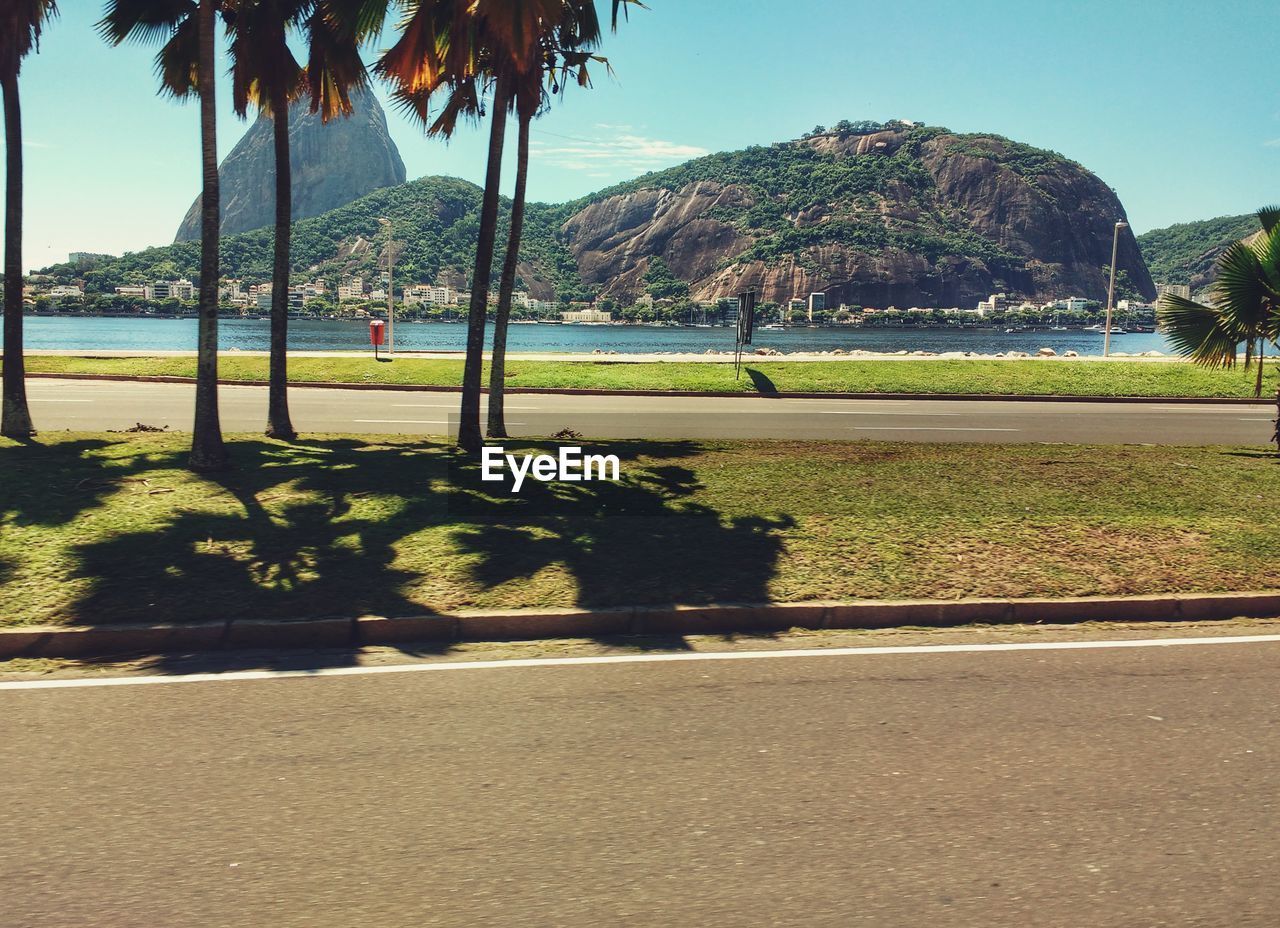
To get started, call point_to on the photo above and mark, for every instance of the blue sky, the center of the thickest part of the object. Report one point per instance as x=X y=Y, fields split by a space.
x=1171 y=103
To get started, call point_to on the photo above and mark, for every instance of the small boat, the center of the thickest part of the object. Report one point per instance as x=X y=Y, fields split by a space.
x=773 y=326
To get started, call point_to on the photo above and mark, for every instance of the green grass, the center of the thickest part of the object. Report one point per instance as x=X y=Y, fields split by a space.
x=103 y=528
x=1026 y=377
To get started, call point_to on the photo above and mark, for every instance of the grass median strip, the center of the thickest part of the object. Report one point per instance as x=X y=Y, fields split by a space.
x=1019 y=377
x=104 y=528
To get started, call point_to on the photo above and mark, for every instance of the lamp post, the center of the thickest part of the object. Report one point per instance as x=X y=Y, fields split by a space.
x=1111 y=289
x=391 y=304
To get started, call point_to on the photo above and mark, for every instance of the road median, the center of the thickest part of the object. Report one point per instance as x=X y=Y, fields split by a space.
x=726 y=394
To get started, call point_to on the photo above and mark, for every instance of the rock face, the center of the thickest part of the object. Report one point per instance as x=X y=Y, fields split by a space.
x=904 y=216
x=332 y=165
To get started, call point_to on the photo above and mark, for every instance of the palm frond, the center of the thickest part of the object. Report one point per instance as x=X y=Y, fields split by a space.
x=145 y=21
x=1269 y=216
x=1197 y=331
x=21 y=24
x=178 y=61
x=1240 y=292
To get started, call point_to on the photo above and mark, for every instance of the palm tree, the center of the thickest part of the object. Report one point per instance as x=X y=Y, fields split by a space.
x=185 y=65
x=565 y=47
x=21 y=22
x=449 y=44
x=1245 y=308
x=464 y=45
x=266 y=74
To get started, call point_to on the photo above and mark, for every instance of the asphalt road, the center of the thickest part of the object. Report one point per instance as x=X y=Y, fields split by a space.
x=1130 y=787
x=97 y=405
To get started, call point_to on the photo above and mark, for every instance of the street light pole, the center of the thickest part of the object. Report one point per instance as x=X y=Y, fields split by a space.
x=391 y=293
x=1111 y=289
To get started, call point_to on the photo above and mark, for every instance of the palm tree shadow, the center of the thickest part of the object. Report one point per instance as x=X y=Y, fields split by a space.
x=764 y=386
x=54 y=484
x=341 y=528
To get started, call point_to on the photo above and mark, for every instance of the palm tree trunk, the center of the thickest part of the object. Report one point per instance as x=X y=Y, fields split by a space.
x=15 y=420
x=469 y=437
x=1262 y=353
x=207 y=451
x=278 y=422
x=498 y=364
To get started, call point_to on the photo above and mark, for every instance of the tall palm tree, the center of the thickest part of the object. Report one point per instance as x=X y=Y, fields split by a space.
x=464 y=45
x=185 y=65
x=265 y=74
x=21 y=22
x=449 y=45
x=566 y=45
x=1245 y=308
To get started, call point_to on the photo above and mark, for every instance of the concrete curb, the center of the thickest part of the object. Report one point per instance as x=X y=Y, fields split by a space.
x=577 y=391
x=512 y=625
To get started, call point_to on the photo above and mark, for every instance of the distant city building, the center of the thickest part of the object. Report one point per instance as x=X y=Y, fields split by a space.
x=137 y=291
x=817 y=303
x=995 y=303
x=66 y=293
x=87 y=257
x=586 y=315
x=181 y=289
x=351 y=289
x=1182 y=290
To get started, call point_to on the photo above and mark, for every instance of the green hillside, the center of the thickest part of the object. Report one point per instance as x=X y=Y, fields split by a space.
x=435 y=219
x=1185 y=253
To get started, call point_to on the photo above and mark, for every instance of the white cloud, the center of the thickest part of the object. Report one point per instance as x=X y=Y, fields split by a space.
x=620 y=151
x=1272 y=143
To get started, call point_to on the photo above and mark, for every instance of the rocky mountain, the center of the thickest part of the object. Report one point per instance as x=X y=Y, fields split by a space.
x=871 y=215
x=1185 y=253
x=333 y=164
x=876 y=216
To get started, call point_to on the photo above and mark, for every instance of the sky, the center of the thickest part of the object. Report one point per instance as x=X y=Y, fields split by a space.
x=1173 y=104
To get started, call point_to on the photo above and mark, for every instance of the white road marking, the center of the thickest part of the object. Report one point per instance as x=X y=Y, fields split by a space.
x=1257 y=420
x=453 y=405
x=76 y=683
x=45 y=399
x=876 y=412
x=924 y=428
x=400 y=421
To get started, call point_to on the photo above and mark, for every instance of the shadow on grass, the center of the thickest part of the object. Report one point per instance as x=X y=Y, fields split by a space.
x=54 y=483
x=764 y=386
x=346 y=527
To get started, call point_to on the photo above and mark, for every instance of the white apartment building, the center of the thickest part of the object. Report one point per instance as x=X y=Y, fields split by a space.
x=137 y=291
x=181 y=289
x=351 y=289
x=66 y=293
x=1182 y=290
x=586 y=315
x=997 y=302
x=817 y=302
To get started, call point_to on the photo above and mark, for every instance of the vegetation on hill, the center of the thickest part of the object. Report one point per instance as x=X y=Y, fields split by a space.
x=791 y=180
x=1185 y=253
x=796 y=198
x=435 y=220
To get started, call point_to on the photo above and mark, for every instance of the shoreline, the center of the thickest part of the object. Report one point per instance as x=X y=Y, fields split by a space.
x=771 y=356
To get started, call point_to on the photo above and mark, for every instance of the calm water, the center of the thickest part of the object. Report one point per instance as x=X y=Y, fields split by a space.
x=252 y=335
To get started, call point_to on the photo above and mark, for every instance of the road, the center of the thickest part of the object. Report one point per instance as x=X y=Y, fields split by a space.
x=1128 y=786
x=97 y=405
